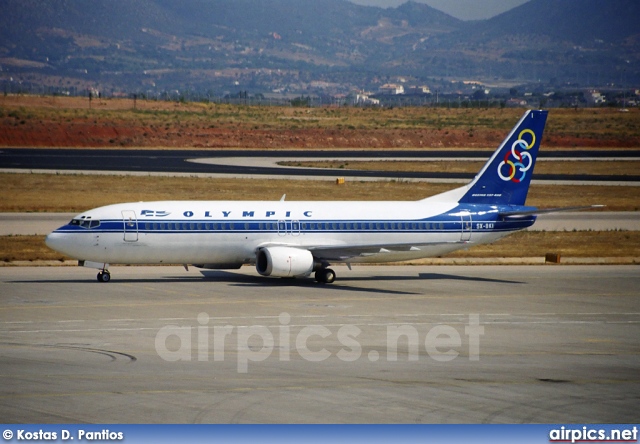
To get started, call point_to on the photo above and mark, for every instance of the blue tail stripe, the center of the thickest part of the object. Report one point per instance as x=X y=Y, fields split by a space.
x=505 y=178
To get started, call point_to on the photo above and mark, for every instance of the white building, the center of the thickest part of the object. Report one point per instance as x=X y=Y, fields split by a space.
x=392 y=89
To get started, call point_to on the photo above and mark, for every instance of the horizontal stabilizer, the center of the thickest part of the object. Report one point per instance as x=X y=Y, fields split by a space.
x=550 y=210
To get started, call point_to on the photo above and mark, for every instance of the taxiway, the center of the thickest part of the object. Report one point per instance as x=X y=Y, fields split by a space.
x=556 y=344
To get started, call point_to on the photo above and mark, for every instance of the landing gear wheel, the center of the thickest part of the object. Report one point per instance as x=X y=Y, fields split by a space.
x=104 y=276
x=325 y=276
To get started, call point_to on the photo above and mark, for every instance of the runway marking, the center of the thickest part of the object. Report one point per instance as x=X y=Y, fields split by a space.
x=401 y=315
x=327 y=385
x=223 y=301
x=372 y=324
x=237 y=302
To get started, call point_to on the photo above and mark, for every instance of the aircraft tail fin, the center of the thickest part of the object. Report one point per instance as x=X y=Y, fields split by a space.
x=505 y=178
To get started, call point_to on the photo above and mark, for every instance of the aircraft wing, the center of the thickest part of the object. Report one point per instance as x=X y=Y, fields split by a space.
x=343 y=252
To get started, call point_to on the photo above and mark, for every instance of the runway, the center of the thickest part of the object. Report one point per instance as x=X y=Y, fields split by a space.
x=260 y=163
x=556 y=344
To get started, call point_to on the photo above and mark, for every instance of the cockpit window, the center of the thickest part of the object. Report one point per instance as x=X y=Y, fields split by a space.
x=85 y=223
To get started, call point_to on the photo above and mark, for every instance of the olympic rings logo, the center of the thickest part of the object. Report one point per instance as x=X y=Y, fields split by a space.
x=523 y=160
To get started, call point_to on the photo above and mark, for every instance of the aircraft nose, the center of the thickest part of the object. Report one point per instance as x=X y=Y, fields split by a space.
x=54 y=241
x=49 y=240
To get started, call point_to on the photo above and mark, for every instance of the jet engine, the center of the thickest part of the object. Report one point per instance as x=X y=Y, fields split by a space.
x=284 y=261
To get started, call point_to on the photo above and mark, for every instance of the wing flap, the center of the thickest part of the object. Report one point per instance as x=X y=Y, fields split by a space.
x=344 y=252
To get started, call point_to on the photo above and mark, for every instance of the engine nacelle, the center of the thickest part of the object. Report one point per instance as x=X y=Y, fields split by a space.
x=284 y=261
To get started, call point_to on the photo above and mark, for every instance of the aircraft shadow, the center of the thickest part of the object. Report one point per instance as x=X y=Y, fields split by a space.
x=258 y=280
x=455 y=277
x=239 y=279
x=243 y=280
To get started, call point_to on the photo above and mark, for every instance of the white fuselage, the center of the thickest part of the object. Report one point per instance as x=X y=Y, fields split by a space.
x=228 y=233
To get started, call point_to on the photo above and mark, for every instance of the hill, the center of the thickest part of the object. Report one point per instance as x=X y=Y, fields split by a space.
x=320 y=46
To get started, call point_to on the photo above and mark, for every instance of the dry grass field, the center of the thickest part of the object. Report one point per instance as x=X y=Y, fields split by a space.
x=75 y=122
x=69 y=122
x=77 y=193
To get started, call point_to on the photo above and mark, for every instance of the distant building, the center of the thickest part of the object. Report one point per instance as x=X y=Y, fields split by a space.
x=515 y=103
x=391 y=89
x=365 y=100
x=595 y=97
x=419 y=90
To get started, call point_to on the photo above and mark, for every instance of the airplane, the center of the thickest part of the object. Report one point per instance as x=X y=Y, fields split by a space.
x=297 y=238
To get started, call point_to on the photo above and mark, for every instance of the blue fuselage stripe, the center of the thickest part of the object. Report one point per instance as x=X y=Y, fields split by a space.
x=331 y=226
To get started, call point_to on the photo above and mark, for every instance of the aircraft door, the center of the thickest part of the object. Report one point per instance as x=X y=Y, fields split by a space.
x=465 y=219
x=288 y=227
x=282 y=228
x=295 y=228
x=130 y=225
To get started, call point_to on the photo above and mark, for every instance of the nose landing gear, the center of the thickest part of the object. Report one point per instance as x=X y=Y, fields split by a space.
x=104 y=276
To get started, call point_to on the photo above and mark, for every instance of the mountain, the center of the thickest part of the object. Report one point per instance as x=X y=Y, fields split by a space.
x=577 y=41
x=308 y=45
x=578 y=21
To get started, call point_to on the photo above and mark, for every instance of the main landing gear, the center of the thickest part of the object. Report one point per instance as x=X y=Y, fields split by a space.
x=325 y=276
x=104 y=276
